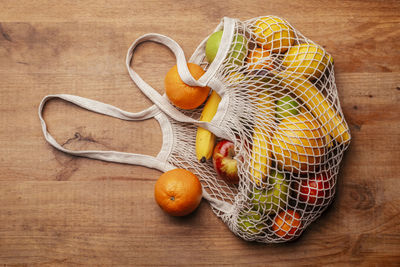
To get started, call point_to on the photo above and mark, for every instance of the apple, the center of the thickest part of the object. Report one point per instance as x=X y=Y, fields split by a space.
x=251 y=222
x=212 y=45
x=286 y=106
x=273 y=199
x=287 y=224
x=238 y=50
x=315 y=190
x=224 y=162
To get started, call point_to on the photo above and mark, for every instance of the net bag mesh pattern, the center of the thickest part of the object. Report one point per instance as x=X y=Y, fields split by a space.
x=280 y=146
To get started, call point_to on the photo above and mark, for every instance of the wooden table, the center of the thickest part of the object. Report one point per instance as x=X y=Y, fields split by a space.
x=57 y=209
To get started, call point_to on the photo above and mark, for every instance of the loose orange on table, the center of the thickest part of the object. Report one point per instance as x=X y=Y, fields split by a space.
x=286 y=224
x=182 y=95
x=178 y=192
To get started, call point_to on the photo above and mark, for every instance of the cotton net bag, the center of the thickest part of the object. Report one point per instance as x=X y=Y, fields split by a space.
x=280 y=108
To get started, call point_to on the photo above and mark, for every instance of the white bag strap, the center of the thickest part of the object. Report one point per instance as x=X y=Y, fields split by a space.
x=206 y=80
x=159 y=162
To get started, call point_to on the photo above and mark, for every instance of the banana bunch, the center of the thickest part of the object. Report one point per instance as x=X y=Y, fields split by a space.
x=319 y=106
x=205 y=140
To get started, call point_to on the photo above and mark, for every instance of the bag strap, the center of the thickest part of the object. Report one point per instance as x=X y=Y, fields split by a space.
x=159 y=162
x=206 y=80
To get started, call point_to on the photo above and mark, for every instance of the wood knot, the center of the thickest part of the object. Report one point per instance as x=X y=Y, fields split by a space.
x=361 y=197
x=356 y=127
x=5 y=35
x=79 y=137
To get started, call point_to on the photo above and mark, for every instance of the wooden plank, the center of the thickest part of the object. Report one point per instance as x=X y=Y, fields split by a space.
x=125 y=10
x=348 y=40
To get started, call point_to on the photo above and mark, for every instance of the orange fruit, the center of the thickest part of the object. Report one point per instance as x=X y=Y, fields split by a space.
x=258 y=59
x=286 y=224
x=182 y=95
x=178 y=192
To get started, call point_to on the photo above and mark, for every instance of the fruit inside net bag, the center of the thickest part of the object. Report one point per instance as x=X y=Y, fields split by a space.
x=279 y=107
x=274 y=99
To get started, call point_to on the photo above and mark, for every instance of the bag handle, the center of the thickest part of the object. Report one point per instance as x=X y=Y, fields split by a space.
x=206 y=80
x=159 y=162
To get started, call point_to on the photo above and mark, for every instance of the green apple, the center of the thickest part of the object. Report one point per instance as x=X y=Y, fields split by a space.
x=251 y=222
x=286 y=106
x=237 y=52
x=273 y=199
x=212 y=45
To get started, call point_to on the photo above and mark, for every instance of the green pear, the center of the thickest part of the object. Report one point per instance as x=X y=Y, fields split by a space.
x=251 y=222
x=274 y=199
x=286 y=106
x=237 y=52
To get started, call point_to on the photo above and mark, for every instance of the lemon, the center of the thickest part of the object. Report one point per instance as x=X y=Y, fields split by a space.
x=299 y=143
x=273 y=34
x=309 y=60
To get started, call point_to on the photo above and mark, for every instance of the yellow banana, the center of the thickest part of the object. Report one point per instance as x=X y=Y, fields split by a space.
x=205 y=140
x=319 y=106
x=261 y=154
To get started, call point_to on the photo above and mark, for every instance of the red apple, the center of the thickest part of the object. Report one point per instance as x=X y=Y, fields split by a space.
x=316 y=190
x=224 y=163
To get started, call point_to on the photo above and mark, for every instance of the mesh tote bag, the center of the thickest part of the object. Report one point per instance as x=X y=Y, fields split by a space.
x=278 y=106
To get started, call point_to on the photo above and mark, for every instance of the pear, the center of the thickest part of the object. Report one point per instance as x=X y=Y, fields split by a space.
x=273 y=199
x=251 y=222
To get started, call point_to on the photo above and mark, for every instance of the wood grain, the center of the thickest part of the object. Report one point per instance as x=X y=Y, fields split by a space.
x=61 y=210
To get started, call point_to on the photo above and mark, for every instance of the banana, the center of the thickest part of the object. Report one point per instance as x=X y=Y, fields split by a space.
x=261 y=153
x=205 y=140
x=319 y=106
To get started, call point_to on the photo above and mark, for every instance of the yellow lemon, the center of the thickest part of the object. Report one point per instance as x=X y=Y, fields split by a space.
x=309 y=60
x=273 y=34
x=299 y=143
